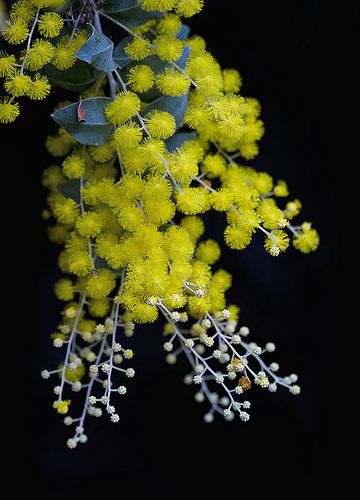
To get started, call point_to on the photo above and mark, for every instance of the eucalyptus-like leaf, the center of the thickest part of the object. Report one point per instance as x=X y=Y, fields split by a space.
x=175 y=105
x=128 y=12
x=157 y=65
x=100 y=263
x=177 y=140
x=119 y=5
x=119 y=55
x=94 y=130
x=77 y=78
x=98 y=51
x=184 y=32
x=71 y=189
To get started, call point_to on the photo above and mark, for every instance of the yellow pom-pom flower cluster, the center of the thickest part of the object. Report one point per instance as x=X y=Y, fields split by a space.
x=125 y=106
x=141 y=78
x=127 y=207
x=33 y=26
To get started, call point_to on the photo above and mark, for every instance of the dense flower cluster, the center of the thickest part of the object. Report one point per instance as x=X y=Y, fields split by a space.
x=33 y=24
x=127 y=209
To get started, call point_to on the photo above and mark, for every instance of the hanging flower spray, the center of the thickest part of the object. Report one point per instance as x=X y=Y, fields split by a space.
x=157 y=135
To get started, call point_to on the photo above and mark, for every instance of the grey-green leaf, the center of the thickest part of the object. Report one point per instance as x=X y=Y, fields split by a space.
x=177 y=140
x=98 y=51
x=71 y=189
x=119 y=5
x=119 y=55
x=184 y=32
x=128 y=12
x=174 y=105
x=77 y=78
x=157 y=65
x=95 y=130
x=101 y=264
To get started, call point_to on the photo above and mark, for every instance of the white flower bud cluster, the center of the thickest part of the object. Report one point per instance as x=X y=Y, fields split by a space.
x=168 y=346
x=223 y=366
x=215 y=341
x=97 y=362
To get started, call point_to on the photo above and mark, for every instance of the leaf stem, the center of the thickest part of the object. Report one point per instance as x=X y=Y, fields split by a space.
x=97 y=22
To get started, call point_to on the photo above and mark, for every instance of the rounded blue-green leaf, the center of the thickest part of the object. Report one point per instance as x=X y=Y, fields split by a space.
x=71 y=189
x=98 y=51
x=128 y=12
x=95 y=130
x=119 y=55
x=177 y=140
x=184 y=32
x=175 y=105
x=77 y=78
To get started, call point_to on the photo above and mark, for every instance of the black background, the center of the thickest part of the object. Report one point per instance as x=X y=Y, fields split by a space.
x=291 y=55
